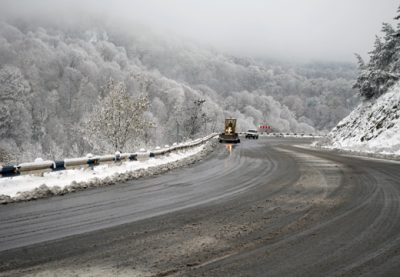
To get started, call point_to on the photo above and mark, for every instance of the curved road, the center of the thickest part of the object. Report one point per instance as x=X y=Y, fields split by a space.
x=268 y=207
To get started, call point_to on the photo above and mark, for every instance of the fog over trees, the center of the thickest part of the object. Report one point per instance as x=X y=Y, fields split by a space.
x=54 y=76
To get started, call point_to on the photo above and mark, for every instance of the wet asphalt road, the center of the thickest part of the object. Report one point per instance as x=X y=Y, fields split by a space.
x=265 y=208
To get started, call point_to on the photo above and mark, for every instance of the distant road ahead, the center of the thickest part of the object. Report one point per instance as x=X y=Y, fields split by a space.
x=265 y=208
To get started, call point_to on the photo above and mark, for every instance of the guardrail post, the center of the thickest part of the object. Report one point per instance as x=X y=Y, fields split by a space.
x=92 y=163
x=58 y=165
x=117 y=156
x=9 y=171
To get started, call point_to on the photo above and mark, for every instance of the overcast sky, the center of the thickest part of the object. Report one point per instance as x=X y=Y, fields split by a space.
x=289 y=29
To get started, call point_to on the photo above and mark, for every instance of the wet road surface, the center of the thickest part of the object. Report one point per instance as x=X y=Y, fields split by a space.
x=264 y=208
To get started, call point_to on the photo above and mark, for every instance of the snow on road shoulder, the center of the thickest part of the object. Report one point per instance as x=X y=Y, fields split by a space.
x=28 y=187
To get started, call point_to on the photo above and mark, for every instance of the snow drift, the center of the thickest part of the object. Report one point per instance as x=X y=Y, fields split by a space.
x=374 y=126
x=31 y=187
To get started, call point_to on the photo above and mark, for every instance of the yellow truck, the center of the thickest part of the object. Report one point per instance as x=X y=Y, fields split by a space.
x=229 y=135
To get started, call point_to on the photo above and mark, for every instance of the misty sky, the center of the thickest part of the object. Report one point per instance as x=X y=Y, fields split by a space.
x=288 y=29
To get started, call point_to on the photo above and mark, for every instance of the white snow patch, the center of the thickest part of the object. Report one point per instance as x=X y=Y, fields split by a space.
x=13 y=186
x=373 y=127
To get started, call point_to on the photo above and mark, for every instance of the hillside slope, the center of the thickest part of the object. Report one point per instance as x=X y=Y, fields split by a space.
x=53 y=74
x=374 y=126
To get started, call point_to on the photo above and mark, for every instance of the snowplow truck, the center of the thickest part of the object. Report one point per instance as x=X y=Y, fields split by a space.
x=229 y=135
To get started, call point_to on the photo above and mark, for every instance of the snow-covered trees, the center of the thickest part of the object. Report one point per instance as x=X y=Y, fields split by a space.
x=58 y=73
x=383 y=68
x=118 y=118
x=195 y=118
x=14 y=115
x=13 y=85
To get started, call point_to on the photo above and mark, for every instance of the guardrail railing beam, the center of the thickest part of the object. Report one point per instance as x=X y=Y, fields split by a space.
x=58 y=165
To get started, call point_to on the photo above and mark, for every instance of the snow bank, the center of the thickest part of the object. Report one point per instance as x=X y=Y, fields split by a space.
x=29 y=187
x=373 y=127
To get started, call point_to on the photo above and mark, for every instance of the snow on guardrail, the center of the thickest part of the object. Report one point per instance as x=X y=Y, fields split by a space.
x=90 y=161
x=91 y=171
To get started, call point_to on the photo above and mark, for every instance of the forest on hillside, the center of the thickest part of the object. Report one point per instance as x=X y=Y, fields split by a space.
x=54 y=76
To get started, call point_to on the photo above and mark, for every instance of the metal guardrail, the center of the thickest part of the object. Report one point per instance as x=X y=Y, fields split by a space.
x=307 y=135
x=18 y=169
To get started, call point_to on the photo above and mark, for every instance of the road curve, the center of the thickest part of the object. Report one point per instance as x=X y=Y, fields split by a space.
x=266 y=208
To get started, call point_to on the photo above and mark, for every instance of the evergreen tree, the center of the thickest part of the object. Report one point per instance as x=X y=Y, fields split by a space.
x=381 y=72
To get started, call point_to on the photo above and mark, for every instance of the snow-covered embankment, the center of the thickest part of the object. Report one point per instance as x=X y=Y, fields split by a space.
x=373 y=127
x=29 y=187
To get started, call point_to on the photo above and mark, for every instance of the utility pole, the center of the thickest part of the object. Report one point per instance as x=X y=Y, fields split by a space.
x=177 y=131
x=195 y=120
x=205 y=119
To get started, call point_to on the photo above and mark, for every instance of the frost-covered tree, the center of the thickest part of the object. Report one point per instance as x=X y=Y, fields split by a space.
x=13 y=85
x=14 y=115
x=382 y=69
x=371 y=76
x=194 y=118
x=63 y=68
x=118 y=118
